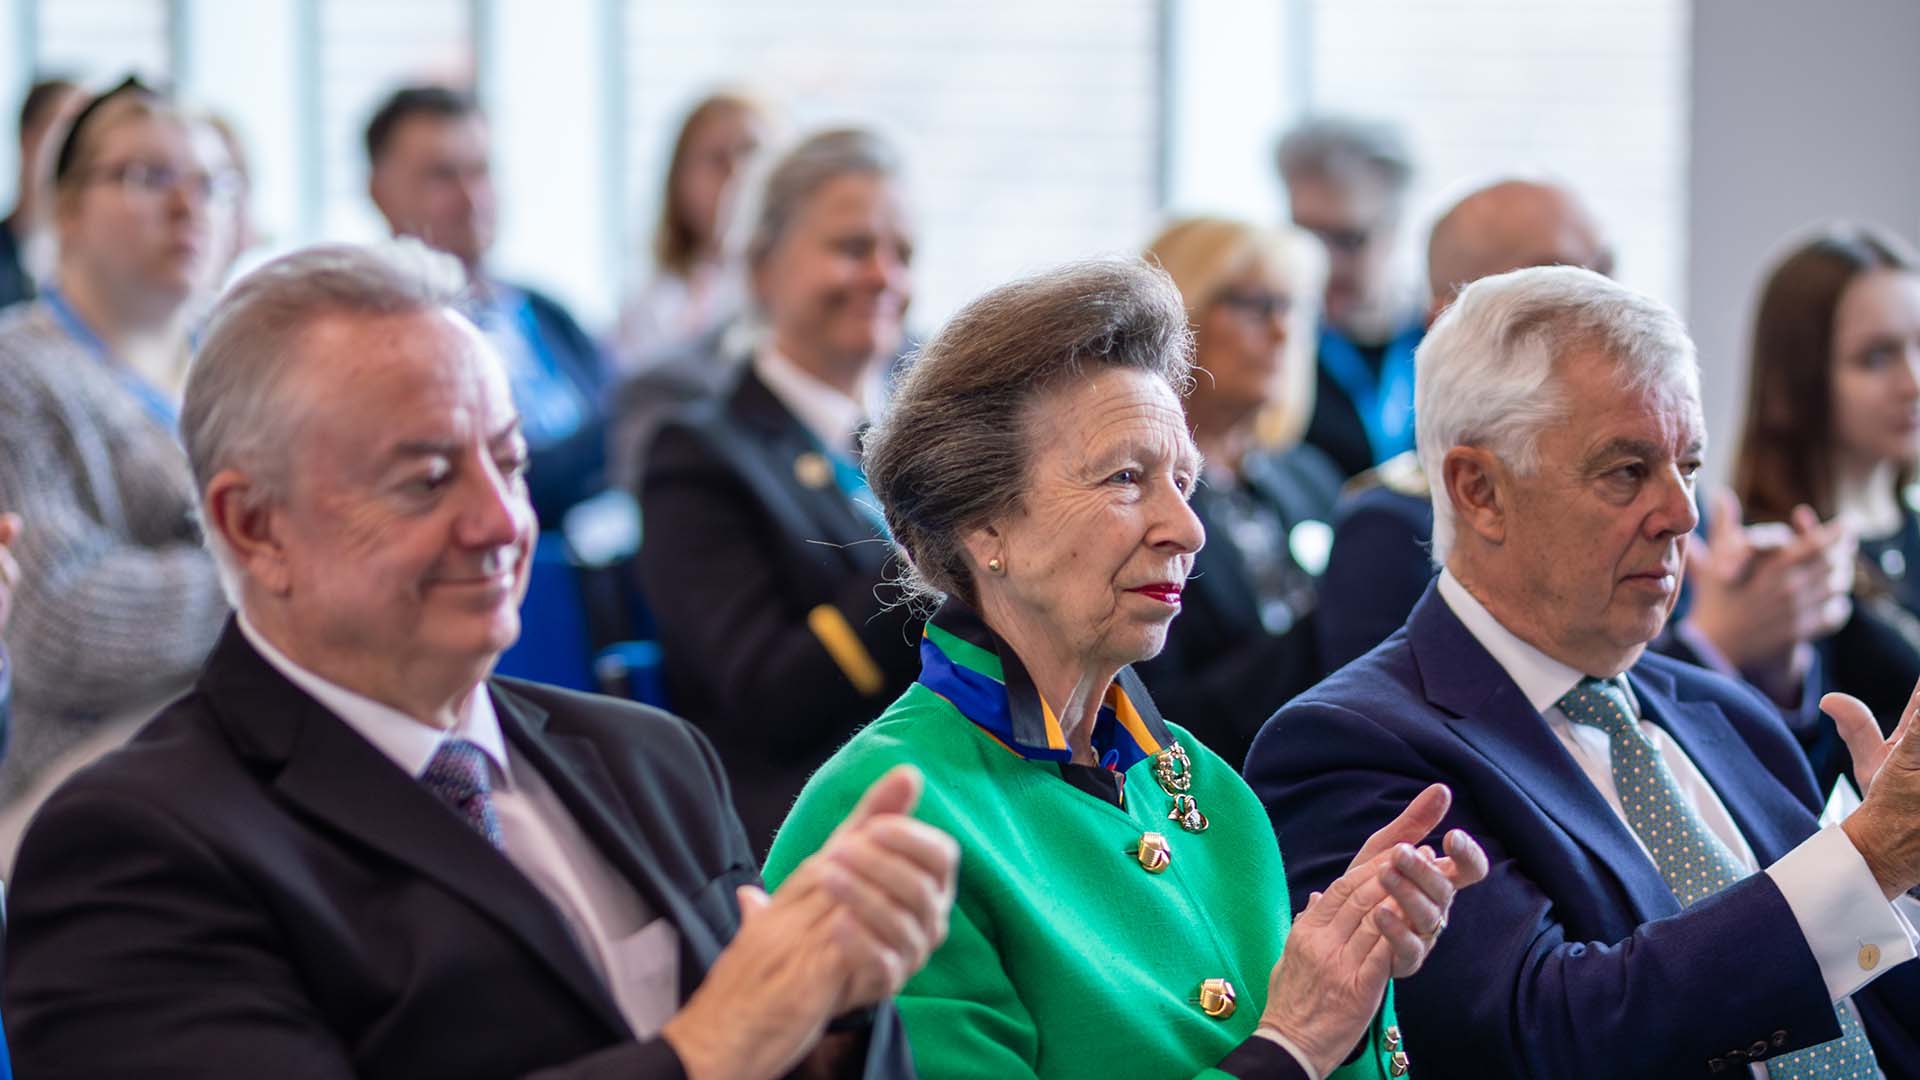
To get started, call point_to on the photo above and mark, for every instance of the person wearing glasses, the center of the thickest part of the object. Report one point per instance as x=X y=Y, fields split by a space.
x=1346 y=183
x=1244 y=644
x=118 y=603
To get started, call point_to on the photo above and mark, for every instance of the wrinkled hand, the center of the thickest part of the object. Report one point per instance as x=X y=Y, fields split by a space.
x=1886 y=828
x=9 y=567
x=895 y=877
x=1378 y=921
x=847 y=929
x=1762 y=604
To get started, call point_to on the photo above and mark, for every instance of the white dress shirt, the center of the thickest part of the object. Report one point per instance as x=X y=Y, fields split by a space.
x=635 y=952
x=1833 y=895
x=828 y=415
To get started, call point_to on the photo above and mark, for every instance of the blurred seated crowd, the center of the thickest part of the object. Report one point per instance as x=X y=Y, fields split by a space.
x=1227 y=659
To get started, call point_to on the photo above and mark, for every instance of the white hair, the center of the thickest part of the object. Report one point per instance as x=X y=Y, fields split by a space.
x=237 y=412
x=1485 y=375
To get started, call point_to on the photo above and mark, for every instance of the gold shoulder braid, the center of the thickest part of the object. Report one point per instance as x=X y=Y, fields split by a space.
x=1174 y=770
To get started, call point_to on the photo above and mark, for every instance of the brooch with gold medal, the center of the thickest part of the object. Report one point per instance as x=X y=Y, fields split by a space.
x=1174 y=772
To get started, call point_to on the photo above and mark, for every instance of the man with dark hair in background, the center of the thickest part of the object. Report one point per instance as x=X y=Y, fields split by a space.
x=432 y=179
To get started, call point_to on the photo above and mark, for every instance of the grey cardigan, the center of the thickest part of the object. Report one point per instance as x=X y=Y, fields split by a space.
x=118 y=603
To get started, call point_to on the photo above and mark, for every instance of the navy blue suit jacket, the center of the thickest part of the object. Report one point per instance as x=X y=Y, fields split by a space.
x=1573 y=959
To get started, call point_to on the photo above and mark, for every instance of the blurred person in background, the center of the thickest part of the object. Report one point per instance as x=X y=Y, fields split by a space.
x=246 y=230
x=25 y=242
x=683 y=335
x=1347 y=183
x=694 y=287
x=119 y=602
x=763 y=554
x=432 y=178
x=1832 y=431
x=1244 y=643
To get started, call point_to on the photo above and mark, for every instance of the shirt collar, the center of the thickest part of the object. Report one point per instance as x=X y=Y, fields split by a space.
x=1540 y=677
x=406 y=742
x=965 y=662
x=830 y=416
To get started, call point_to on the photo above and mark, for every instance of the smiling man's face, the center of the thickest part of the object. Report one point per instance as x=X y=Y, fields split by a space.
x=406 y=525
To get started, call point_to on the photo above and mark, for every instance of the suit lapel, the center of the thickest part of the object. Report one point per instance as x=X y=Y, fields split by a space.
x=574 y=769
x=1765 y=812
x=329 y=772
x=798 y=469
x=1486 y=709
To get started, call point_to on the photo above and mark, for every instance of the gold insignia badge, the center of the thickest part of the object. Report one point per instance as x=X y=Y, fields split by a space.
x=813 y=470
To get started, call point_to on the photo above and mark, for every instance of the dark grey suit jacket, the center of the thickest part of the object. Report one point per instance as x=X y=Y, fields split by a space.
x=250 y=889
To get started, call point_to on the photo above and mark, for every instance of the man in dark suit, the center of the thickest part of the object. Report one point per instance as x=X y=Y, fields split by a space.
x=348 y=852
x=1663 y=901
x=1751 y=615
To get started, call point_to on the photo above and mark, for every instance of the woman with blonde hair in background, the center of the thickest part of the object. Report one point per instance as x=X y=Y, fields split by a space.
x=1244 y=644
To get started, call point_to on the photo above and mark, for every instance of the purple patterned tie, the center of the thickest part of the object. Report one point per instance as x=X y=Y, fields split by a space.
x=458 y=774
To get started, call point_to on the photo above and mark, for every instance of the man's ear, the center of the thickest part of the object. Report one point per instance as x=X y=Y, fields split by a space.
x=1479 y=488
x=238 y=513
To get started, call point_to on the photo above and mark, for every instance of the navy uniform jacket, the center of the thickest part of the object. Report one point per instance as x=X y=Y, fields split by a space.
x=251 y=889
x=1572 y=960
x=770 y=590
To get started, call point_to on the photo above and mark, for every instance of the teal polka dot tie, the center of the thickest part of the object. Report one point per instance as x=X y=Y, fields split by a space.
x=1693 y=861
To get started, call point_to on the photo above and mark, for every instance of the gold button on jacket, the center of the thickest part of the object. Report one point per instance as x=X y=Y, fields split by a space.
x=1154 y=854
x=1216 y=998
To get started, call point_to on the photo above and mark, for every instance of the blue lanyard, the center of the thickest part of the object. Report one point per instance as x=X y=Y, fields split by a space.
x=1385 y=404
x=157 y=404
x=552 y=406
x=852 y=482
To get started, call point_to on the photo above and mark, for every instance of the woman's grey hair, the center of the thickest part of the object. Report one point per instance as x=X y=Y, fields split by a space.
x=798 y=174
x=953 y=451
x=1486 y=374
x=240 y=411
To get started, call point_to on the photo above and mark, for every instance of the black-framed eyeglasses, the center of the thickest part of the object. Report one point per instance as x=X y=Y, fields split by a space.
x=1257 y=304
x=157 y=180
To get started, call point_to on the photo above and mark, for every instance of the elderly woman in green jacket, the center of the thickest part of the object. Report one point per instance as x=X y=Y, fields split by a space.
x=1122 y=910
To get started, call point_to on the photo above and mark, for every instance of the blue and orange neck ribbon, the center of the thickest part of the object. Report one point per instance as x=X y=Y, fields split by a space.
x=964 y=661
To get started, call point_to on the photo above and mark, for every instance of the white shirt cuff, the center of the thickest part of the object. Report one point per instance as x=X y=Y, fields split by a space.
x=1286 y=1044
x=1855 y=934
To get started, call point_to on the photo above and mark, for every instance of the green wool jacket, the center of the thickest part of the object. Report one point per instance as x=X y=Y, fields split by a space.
x=1066 y=957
